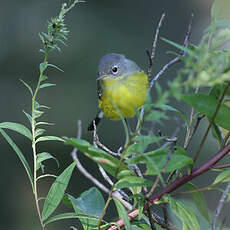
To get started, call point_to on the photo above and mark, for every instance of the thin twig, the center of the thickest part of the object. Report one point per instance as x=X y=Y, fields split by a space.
x=220 y=166
x=189 y=132
x=152 y=55
x=220 y=206
x=199 y=118
x=176 y=59
x=116 y=194
x=80 y=166
x=97 y=142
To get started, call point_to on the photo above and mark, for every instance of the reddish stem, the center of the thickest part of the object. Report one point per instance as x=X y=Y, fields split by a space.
x=178 y=183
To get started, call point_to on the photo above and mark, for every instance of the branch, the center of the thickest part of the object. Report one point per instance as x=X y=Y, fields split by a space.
x=176 y=59
x=92 y=178
x=177 y=183
x=152 y=55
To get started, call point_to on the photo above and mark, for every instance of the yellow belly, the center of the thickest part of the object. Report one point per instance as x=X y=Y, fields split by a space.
x=125 y=94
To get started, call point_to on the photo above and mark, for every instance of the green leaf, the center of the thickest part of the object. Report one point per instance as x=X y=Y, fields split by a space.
x=28 y=116
x=156 y=116
x=45 y=85
x=57 y=191
x=43 y=66
x=17 y=128
x=43 y=77
x=46 y=175
x=207 y=104
x=90 y=203
x=199 y=200
x=133 y=181
x=43 y=123
x=217 y=134
x=108 y=162
x=44 y=156
x=122 y=213
x=172 y=109
x=37 y=113
x=223 y=176
x=180 y=47
x=49 y=138
x=20 y=155
x=140 y=144
x=187 y=217
x=155 y=161
x=28 y=87
x=54 y=66
x=39 y=132
x=64 y=216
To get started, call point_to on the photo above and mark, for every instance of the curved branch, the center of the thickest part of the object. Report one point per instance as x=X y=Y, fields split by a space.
x=178 y=183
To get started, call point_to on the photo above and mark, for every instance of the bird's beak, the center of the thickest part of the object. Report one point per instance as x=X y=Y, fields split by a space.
x=101 y=77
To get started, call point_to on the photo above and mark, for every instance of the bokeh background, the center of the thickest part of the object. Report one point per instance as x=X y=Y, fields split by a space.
x=96 y=28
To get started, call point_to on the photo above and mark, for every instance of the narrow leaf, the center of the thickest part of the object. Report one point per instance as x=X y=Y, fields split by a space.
x=39 y=132
x=54 y=66
x=57 y=191
x=43 y=157
x=43 y=77
x=20 y=155
x=17 y=128
x=37 y=113
x=122 y=213
x=155 y=161
x=64 y=216
x=28 y=87
x=49 y=138
x=28 y=116
x=133 y=181
x=187 y=217
x=108 y=162
x=46 y=175
x=45 y=85
x=223 y=176
x=199 y=200
x=180 y=47
x=43 y=123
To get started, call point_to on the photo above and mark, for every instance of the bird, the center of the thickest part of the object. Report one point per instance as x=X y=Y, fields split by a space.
x=122 y=88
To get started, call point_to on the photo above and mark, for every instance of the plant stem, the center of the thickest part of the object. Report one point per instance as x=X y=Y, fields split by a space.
x=178 y=183
x=33 y=127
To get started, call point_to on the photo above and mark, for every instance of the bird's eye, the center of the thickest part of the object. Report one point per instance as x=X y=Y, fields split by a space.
x=115 y=69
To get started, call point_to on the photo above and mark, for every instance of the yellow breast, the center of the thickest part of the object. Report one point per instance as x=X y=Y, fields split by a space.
x=125 y=94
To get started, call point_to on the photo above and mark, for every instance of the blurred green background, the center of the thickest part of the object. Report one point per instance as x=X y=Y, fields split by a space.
x=96 y=28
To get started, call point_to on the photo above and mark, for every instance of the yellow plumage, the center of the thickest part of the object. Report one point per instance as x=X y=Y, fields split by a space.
x=127 y=93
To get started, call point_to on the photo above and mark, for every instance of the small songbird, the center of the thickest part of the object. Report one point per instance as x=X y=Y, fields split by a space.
x=122 y=87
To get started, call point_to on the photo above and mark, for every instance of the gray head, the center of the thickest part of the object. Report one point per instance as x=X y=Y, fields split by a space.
x=115 y=65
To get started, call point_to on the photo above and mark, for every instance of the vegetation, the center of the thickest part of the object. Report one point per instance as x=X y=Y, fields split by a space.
x=149 y=167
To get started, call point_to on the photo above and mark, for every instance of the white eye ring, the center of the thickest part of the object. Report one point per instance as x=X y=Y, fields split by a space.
x=115 y=69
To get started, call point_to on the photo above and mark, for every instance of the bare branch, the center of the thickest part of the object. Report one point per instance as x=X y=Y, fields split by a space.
x=152 y=55
x=176 y=59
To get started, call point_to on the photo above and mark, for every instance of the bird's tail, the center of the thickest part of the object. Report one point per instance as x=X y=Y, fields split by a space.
x=97 y=120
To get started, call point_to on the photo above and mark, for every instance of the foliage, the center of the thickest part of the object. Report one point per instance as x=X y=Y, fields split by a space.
x=147 y=161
